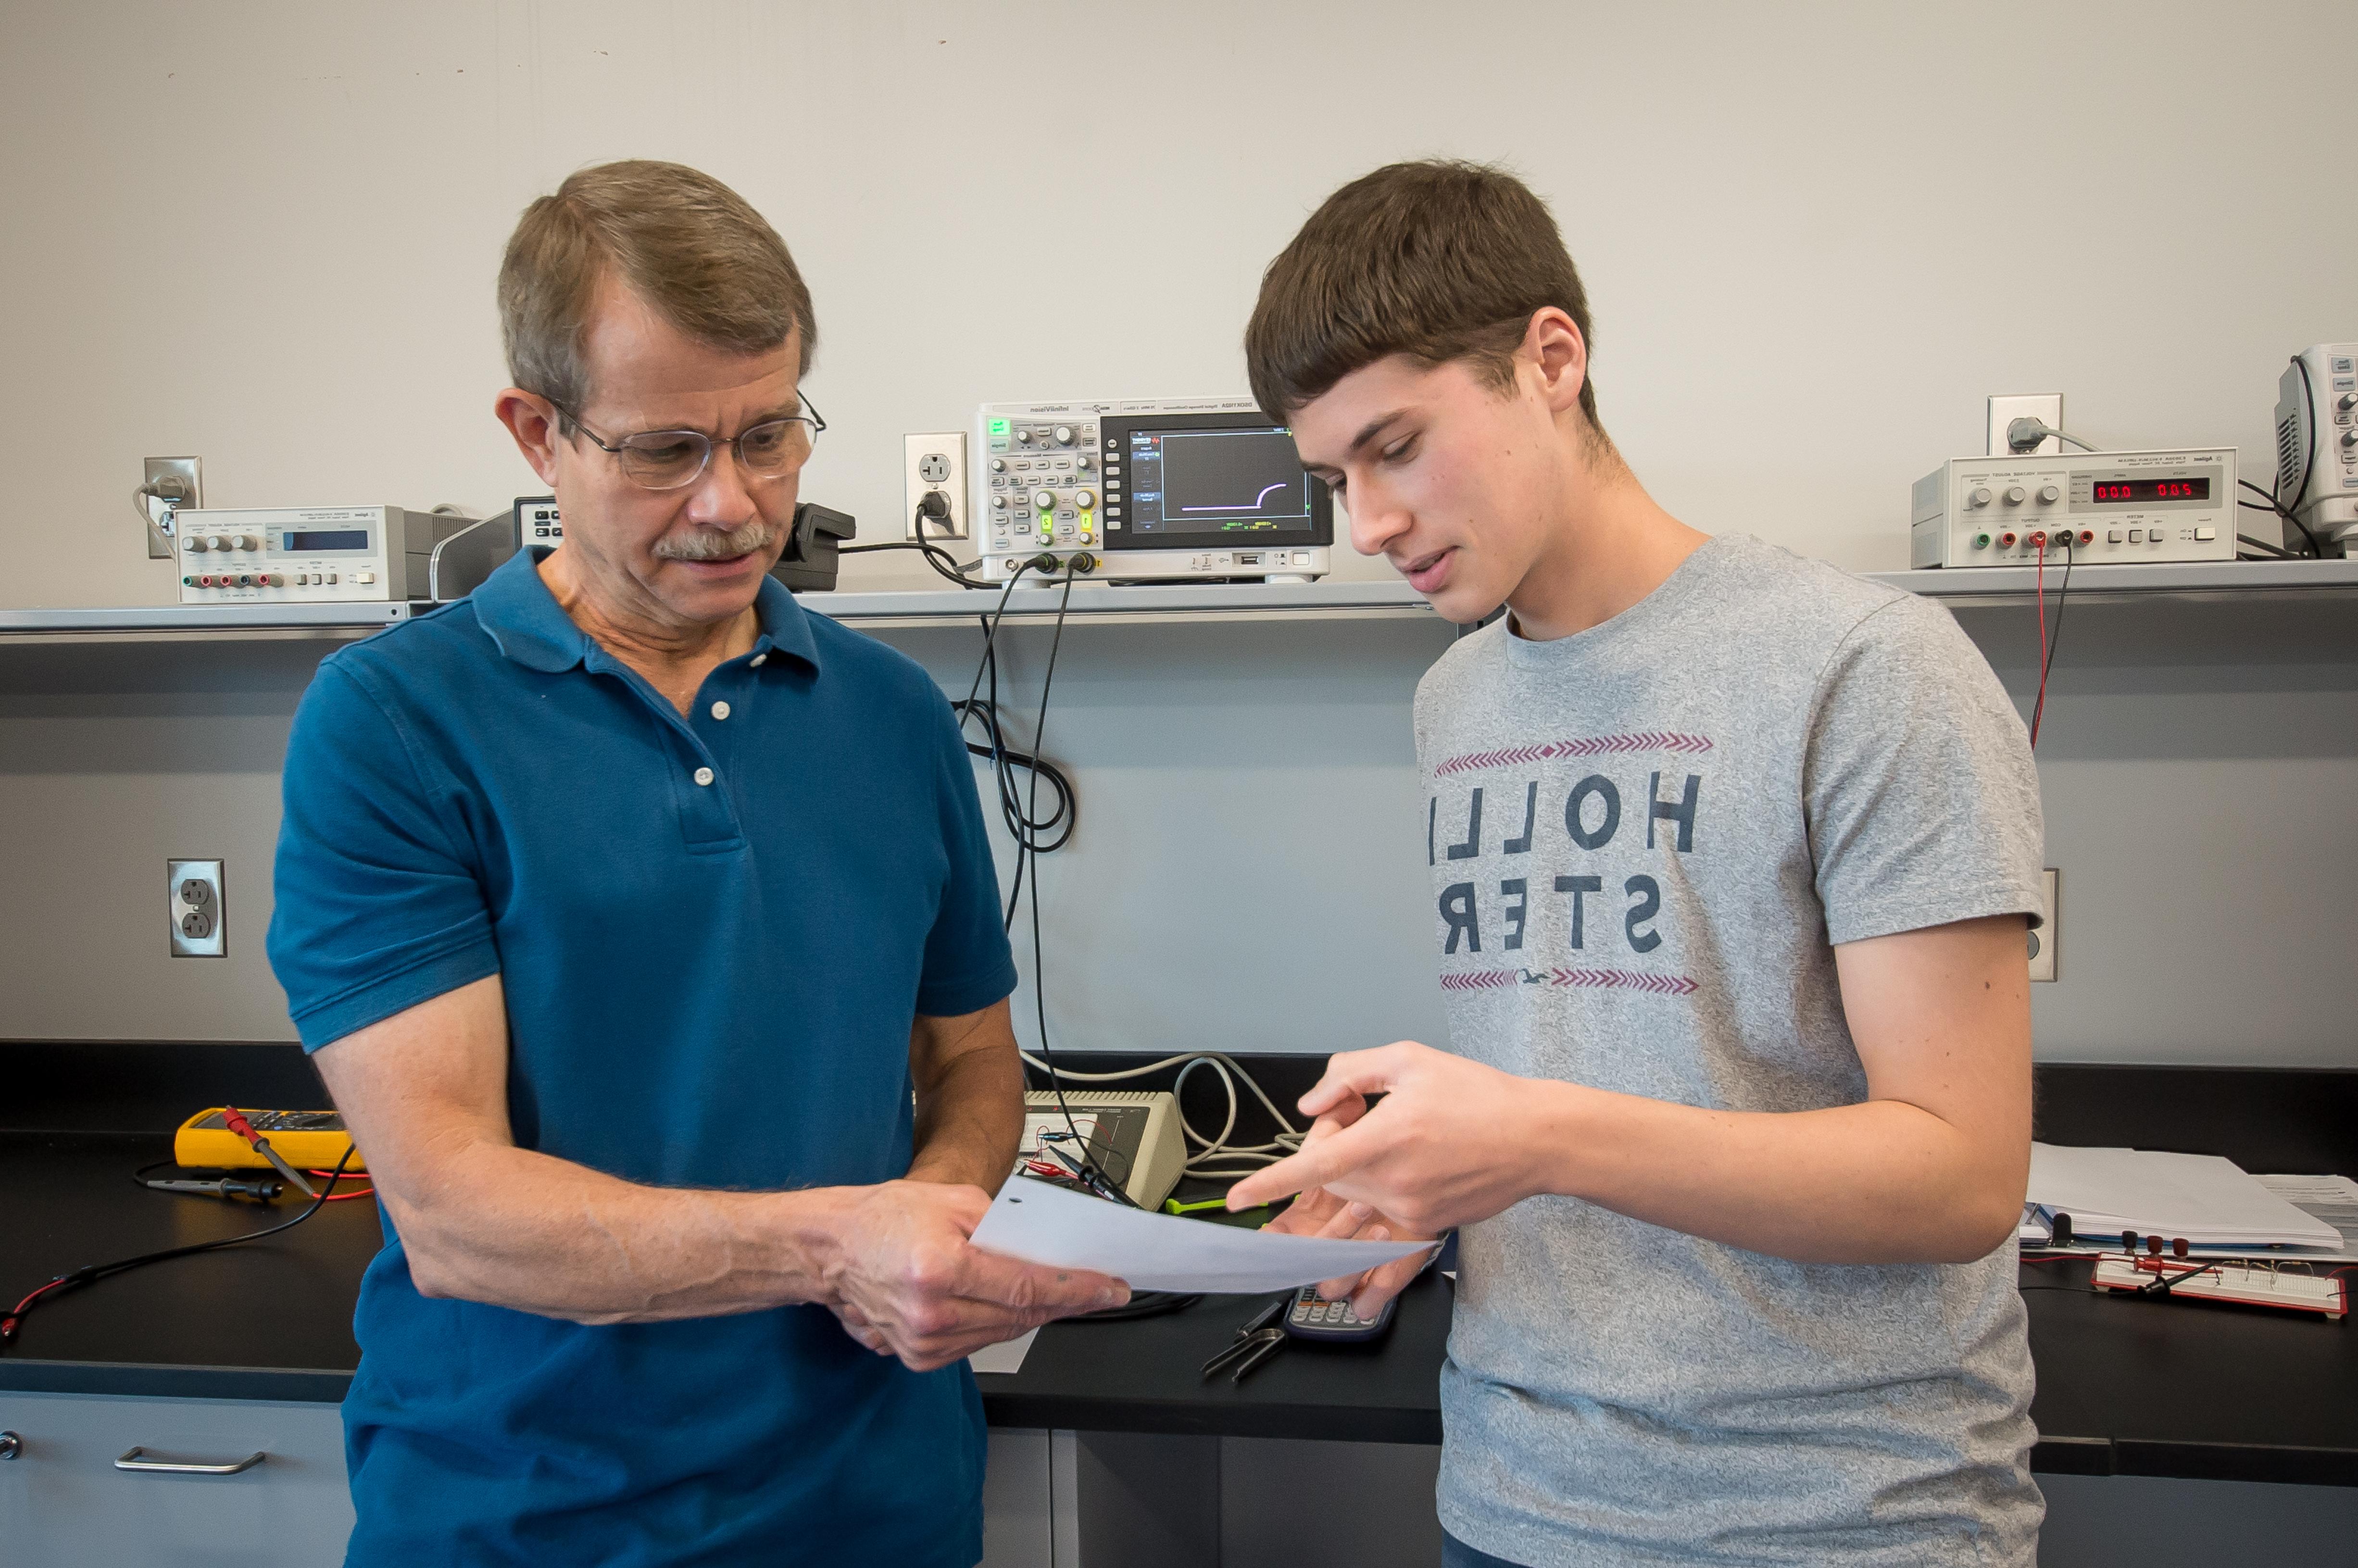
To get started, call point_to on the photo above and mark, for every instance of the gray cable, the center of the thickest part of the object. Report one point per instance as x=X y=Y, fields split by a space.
x=2023 y=433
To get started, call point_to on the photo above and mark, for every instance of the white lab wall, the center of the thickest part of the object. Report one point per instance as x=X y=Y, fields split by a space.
x=1815 y=236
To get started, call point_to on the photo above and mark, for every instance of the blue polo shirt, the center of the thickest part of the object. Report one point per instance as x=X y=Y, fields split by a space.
x=713 y=933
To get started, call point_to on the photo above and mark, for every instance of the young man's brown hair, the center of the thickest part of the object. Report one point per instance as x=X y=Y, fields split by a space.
x=1440 y=259
x=677 y=238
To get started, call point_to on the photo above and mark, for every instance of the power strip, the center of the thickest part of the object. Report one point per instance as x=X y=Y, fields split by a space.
x=2229 y=1279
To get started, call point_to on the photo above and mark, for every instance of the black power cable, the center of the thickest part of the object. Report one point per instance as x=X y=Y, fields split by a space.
x=2269 y=504
x=941 y=560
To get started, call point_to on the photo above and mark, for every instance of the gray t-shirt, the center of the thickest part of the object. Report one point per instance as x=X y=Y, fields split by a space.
x=1645 y=839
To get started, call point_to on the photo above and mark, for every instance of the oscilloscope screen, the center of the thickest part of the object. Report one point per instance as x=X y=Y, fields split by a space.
x=1219 y=481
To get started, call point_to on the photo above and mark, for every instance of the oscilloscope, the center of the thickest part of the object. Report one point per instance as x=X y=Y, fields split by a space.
x=1156 y=488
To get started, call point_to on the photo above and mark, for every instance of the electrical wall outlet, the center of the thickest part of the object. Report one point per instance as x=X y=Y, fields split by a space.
x=2005 y=408
x=935 y=465
x=179 y=480
x=193 y=890
x=2048 y=940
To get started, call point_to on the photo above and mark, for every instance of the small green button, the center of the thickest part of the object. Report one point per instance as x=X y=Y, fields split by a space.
x=998 y=426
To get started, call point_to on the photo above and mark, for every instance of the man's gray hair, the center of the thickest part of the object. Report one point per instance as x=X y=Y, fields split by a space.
x=680 y=240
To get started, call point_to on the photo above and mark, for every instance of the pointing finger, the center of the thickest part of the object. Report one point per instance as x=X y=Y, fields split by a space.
x=1318 y=1165
x=1359 y=1073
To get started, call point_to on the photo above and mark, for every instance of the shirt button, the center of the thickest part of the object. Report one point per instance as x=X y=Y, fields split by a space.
x=719 y=710
x=758 y=660
x=703 y=775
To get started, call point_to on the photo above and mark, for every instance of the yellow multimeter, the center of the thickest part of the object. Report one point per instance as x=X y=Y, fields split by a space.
x=307 y=1140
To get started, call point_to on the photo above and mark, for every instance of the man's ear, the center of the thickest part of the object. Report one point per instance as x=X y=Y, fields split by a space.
x=532 y=420
x=1554 y=346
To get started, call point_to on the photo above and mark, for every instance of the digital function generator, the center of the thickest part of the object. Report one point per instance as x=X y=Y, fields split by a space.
x=2010 y=511
x=1156 y=488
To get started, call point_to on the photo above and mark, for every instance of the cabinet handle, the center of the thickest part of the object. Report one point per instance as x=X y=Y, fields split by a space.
x=131 y=1461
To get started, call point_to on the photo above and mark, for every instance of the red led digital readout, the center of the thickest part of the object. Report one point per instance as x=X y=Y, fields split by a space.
x=2136 y=490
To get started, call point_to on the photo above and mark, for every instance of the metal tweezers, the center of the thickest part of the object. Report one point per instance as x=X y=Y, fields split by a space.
x=1255 y=1342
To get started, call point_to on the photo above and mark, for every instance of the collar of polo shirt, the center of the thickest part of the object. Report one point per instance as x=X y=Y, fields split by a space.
x=526 y=622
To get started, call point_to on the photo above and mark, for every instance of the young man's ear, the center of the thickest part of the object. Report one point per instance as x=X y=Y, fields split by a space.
x=1552 y=342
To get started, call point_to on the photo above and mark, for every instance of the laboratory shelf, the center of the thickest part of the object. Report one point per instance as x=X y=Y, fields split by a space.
x=214 y=619
x=2161 y=580
x=1101 y=600
x=2222 y=582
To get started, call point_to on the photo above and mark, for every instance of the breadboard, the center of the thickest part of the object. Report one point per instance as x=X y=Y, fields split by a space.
x=2249 y=1283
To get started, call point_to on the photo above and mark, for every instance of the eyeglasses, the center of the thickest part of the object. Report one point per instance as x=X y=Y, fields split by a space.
x=669 y=459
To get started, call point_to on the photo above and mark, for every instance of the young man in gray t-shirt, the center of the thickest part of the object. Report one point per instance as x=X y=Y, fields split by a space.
x=1731 y=855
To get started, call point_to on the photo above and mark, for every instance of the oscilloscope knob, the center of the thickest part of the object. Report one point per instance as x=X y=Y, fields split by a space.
x=1082 y=463
x=999 y=465
x=1064 y=434
x=1023 y=437
x=998 y=501
x=2347 y=400
x=1045 y=500
x=1084 y=499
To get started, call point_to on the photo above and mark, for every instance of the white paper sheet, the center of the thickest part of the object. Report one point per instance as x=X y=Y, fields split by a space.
x=2207 y=1200
x=1007 y=1356
x=1045 y=1224
x=2334 y=1199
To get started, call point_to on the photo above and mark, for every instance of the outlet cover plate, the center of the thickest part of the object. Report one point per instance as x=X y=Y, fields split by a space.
x=2046 y=942
x=199 y=925
x=2005 y=408
x=935 y=463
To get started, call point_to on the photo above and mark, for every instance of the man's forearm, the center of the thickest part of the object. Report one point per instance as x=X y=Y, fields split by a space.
x=1875 y=1183
x=970 y=1120
x=516 y=1228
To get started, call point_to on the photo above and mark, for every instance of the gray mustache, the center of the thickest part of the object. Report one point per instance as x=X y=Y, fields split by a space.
x=706 y=545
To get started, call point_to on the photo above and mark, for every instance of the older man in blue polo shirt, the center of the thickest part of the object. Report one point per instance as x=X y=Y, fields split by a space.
x=646 y=931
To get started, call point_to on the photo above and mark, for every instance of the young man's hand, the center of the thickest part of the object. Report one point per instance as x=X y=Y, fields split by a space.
x=1318 y=1212
x=1449 y=1143
x=905 y=1280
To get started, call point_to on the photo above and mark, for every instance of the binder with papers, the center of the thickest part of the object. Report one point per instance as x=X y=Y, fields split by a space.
x=2201 y=1200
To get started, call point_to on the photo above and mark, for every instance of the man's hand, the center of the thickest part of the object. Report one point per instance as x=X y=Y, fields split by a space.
x=1445 y=1146
x=906 y=1282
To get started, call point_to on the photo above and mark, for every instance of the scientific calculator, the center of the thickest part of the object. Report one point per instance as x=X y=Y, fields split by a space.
x=1333 y=1322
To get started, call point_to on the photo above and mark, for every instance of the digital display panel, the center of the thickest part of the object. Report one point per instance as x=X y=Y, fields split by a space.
x=1246 y=481
x=2145 y=491
x=321 y=539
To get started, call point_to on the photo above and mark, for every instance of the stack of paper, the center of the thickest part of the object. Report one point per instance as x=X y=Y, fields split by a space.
x=2199 y=1198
